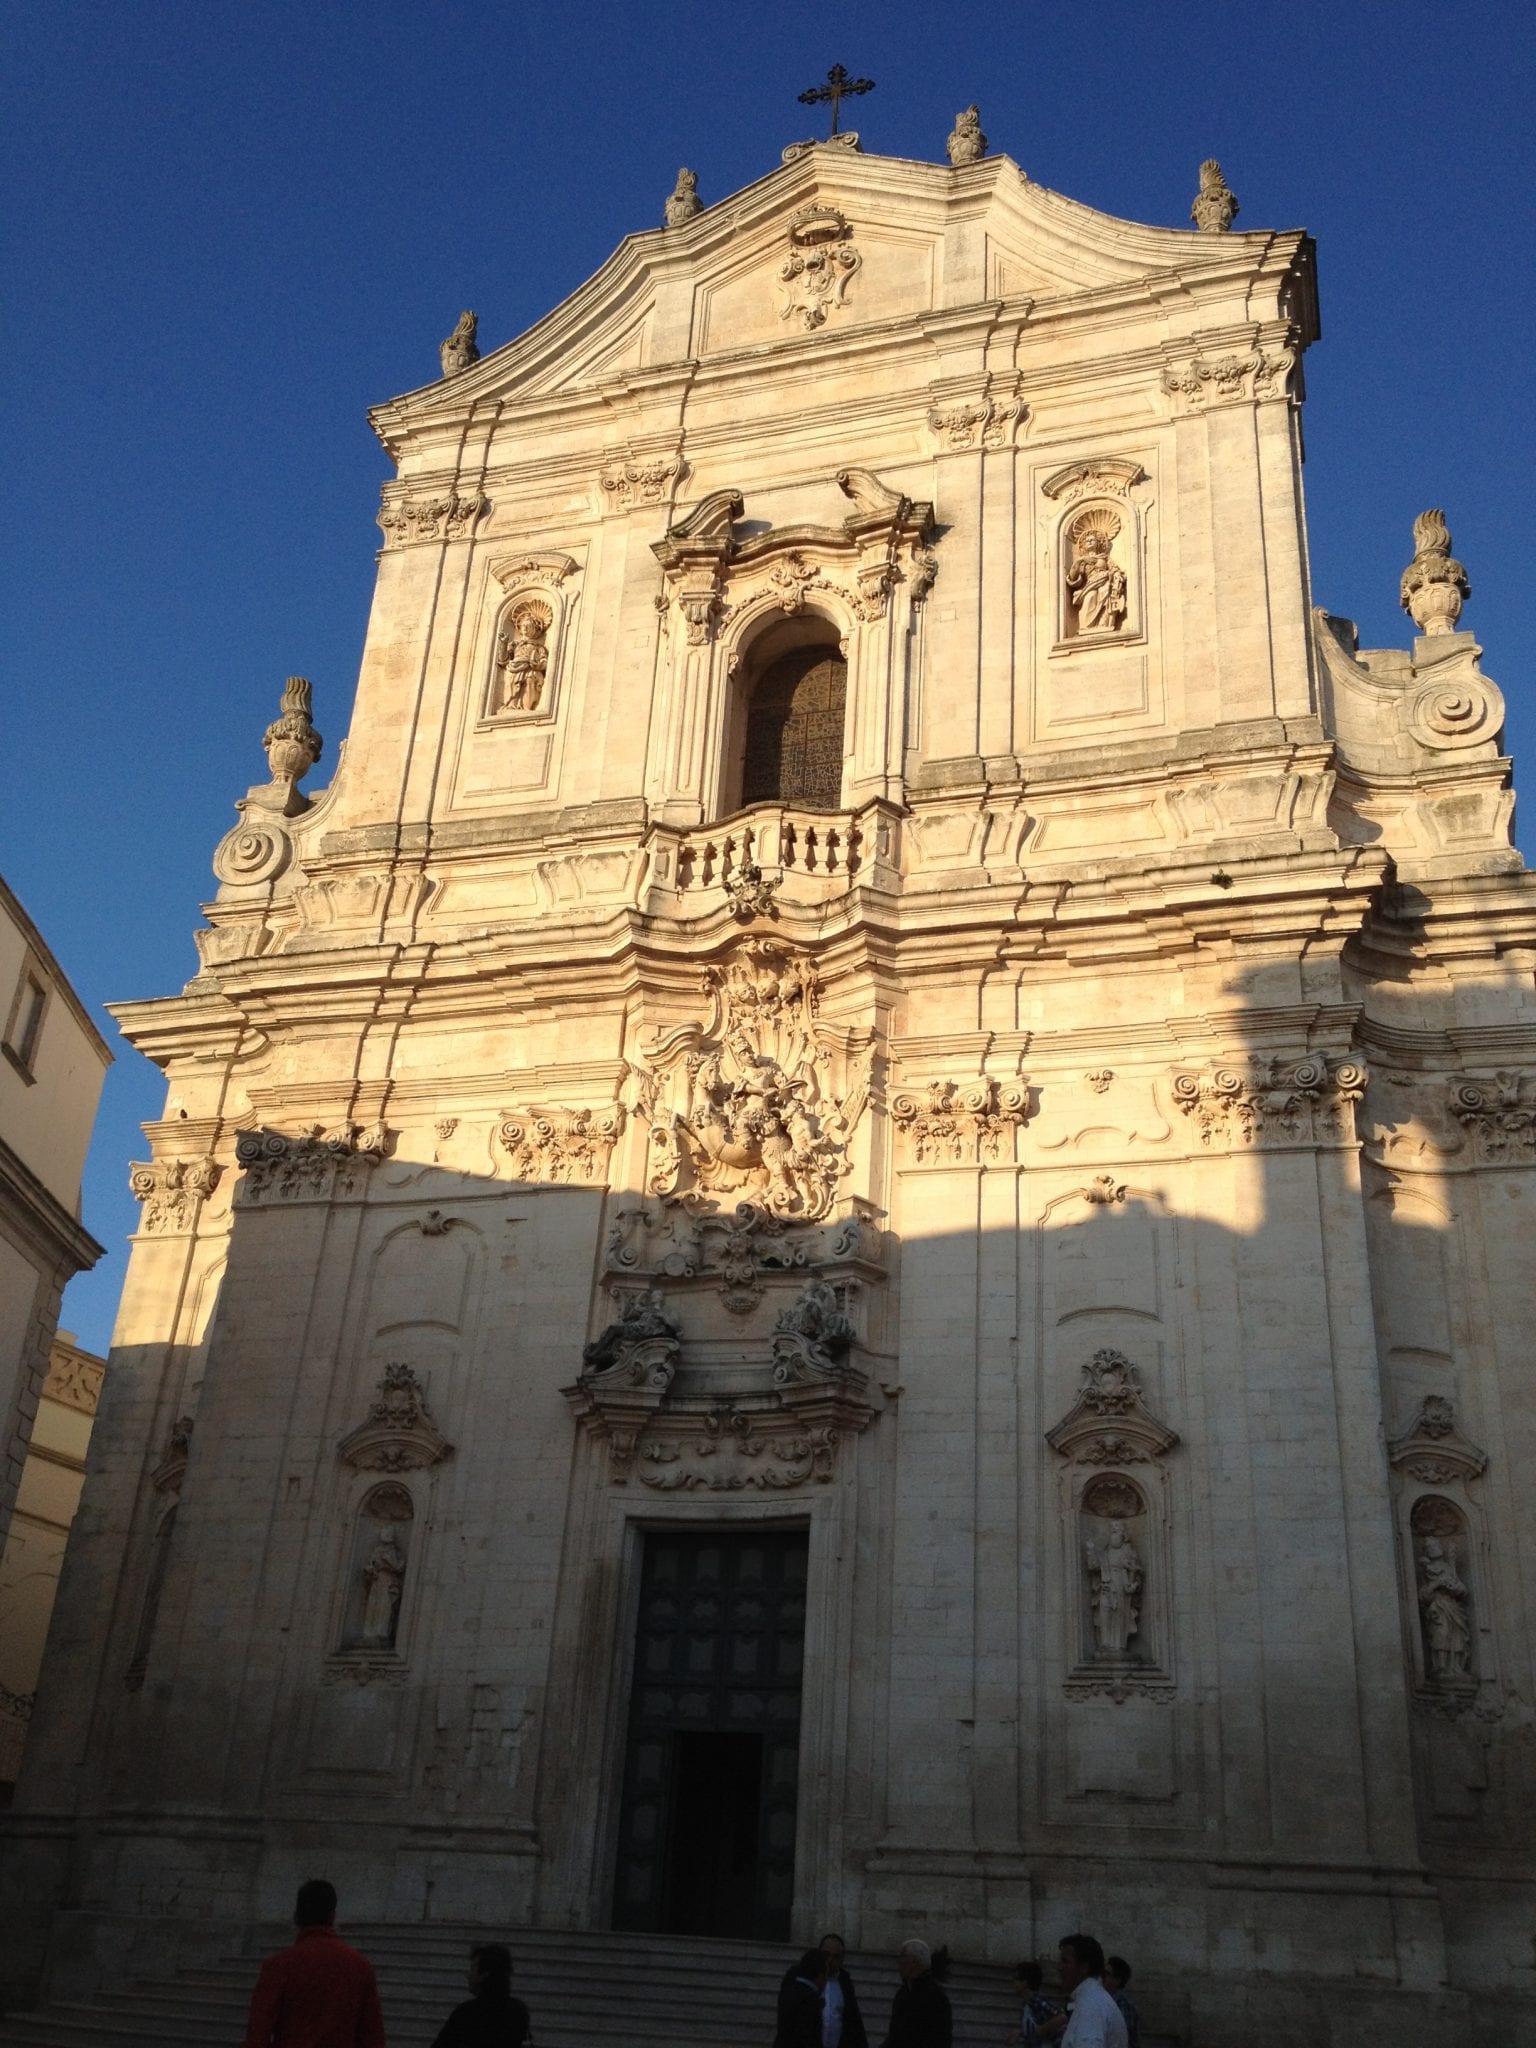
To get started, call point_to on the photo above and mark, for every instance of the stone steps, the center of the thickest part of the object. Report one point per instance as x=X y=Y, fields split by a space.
x=584 y=1991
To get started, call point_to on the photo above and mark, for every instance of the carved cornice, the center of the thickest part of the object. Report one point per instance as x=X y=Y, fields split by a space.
x=561 y=1146
x=314 y=1166
x=961 y=1122
x=172 y=1191
x=1305 y=1100
x=453 y=515
x=399 y=1434
x=1433 y=1450
x=515 y=572
x=1110 y=1423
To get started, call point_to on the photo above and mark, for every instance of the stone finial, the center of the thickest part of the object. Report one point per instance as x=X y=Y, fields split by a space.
x=293 y=746
x=966 y=144
x=459 y=350
x=683 y=200
x=1215 y=206
x=1434 y=582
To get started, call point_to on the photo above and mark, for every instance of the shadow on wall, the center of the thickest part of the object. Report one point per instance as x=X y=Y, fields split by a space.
x=1157 y=1528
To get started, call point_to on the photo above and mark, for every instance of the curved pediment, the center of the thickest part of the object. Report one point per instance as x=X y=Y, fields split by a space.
x=836 y=243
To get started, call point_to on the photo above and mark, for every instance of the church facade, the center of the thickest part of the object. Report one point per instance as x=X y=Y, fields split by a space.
x=842 y=1239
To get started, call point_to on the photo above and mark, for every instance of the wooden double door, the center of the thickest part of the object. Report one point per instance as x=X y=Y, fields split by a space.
x=711 y=1770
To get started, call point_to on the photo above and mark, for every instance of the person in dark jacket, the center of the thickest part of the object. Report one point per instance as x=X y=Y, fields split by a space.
x=493 y=2018
x=800 y=2003
x=842 y=2024
x=920 y=2014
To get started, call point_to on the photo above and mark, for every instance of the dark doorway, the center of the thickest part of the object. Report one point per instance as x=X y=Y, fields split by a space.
x=795 y=717
x=707 y=1822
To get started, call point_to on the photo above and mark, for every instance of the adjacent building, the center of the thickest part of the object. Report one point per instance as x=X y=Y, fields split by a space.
x=46 y=1501
x=52 y=1063
x=844 y=1236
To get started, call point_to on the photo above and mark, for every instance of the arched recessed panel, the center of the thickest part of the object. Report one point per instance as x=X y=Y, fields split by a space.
x=794 y=738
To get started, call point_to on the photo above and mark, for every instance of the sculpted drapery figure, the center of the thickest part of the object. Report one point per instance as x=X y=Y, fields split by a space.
x=1096 y=585
x=523 y=655
x=1443 y=1604
x=384 y=1579
x=1114 y=1581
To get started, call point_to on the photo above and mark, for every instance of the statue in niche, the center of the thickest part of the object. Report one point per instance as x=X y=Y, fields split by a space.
x=1096 y=586
x=383 y=1582
x=523 y=657
x=1114 y=1584
x=1443 y=1609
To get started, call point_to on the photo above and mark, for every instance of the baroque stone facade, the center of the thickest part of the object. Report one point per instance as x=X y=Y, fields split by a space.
x=874 y=980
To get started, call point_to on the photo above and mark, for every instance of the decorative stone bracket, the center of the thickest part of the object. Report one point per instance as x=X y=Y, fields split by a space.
x=962 y=417
x=399 y=1434
x=953 y=1123
x=1306 y=1100
x=315 y=1166
x=642 y=478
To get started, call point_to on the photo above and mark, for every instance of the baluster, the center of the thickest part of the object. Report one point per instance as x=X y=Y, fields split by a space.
x=833 y=843
x=810 y=849
x=685 y=865
x=855 y=841
x=788 y=839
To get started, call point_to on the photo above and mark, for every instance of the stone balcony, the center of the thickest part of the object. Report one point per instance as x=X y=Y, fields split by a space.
x=799 y=856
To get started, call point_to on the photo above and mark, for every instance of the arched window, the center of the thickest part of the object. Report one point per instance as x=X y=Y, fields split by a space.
x=794 y=737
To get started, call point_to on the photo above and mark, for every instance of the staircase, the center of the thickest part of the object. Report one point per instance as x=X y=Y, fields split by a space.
x=633 y=1991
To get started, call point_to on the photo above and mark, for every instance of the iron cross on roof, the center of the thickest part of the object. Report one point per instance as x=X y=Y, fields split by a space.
x=839 y=87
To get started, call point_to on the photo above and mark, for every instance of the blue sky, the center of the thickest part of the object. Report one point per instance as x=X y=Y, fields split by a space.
x=237 y=226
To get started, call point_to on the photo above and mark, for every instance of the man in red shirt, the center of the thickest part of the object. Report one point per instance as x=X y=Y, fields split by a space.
x=319 y=1993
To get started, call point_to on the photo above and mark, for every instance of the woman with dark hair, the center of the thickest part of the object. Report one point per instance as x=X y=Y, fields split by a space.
x=493 y=2018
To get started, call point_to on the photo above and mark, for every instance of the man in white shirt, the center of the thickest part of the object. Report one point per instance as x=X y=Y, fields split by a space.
x=1096 y=2020
x=842 y=2024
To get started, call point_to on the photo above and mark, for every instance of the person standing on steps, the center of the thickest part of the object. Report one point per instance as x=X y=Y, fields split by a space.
x=842 y=2024
x=1117 y=1974
x=1096 y=2020
x=320 y=1993
x=920 y=2014
x=492 y=2017
x=799 y=2023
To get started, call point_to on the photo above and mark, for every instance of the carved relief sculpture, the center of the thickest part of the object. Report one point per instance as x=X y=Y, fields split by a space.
x=522 y=657
x=1095 y=582
x=966 y=143
x=683 y=200
x=399 y=1434
x=459 y=351
x=1498 y=1114
x=812 y=1335
x=822 y=262
x=1434 y=583
x=1215 y=206
x=752 y=1107
x=1114 y=1582
x=640 y=1345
